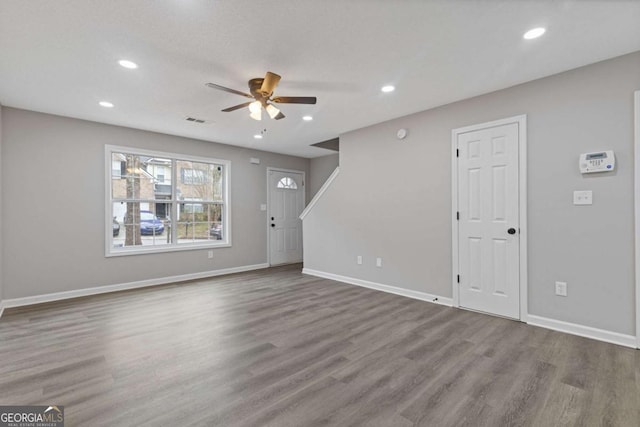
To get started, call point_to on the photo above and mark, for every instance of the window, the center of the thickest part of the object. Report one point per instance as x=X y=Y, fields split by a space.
x=150 y=210
x=287 y=183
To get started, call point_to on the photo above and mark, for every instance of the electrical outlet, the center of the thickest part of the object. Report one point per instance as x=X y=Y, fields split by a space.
x=378 y=262
x=210 y=254
x=583 y=197
x=359 y=259
x=561 y=289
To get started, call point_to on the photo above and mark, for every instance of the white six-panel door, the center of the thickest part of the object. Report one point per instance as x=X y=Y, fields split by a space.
x=286 y=202
x=488 y=229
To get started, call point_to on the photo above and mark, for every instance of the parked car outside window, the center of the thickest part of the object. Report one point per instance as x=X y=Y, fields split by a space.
x=216 y=231
x=116 y=227
x=150 y=224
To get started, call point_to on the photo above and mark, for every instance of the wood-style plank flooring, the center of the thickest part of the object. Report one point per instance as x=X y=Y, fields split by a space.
x=278 y=348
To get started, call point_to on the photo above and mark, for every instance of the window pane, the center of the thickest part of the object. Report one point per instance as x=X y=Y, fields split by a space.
x=141 y=224
x=140 y=177
x=160 y=171
x=199 y=181
x=198 y=222
x=287 y=183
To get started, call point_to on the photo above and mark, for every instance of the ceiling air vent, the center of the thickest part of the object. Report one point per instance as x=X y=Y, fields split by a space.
x=195 y=120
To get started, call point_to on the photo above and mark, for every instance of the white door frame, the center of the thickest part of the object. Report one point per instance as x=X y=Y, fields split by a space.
x=521 y=121
x=304 y=202
x=636 y=190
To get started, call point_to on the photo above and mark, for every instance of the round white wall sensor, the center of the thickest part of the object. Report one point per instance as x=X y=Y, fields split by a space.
x=402 y=133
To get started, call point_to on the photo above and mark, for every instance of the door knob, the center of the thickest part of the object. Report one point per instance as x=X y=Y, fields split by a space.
x=273 y=225
x=511 y=230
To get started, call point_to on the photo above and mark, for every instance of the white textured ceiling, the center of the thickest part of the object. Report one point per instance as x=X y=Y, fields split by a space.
x=61 y=56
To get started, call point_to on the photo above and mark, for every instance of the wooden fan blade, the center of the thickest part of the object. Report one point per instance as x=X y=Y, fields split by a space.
x=236 y=107
x=279 y=116
x=226 y=89
x=269 y=83
x=295 y=99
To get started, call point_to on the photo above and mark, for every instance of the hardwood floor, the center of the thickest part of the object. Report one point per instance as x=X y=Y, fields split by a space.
x=277 y=348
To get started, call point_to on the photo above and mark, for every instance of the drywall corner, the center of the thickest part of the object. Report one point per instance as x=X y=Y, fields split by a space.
x=1 y=239
x=320 y=168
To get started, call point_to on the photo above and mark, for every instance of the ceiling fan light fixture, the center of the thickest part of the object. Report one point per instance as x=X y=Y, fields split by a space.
x=256 y=115
x=256 y=110
x=272 y=111
x=255 y=107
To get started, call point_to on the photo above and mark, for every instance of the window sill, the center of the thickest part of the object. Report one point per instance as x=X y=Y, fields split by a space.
x=155 y=250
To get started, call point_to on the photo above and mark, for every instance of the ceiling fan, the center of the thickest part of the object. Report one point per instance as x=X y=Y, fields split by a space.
x=262 y=92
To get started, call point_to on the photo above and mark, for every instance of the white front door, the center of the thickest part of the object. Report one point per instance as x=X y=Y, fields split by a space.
x=488 y=229
x=286 y=202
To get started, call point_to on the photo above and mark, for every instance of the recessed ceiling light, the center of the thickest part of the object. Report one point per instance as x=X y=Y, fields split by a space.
x=307 y=118
x=534 y=33
x=128 y=64
x=105 y=104
x=257 y=136
x=388 y=88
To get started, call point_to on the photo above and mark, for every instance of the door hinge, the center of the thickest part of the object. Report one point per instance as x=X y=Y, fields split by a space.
x=458 y=215
x=457 y=153
x=458 y=278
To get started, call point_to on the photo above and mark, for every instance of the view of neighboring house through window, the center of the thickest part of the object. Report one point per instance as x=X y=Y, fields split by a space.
x=162 y=201
x=200 y=187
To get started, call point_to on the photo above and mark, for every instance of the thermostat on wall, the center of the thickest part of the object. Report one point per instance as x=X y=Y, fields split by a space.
x=602 y=161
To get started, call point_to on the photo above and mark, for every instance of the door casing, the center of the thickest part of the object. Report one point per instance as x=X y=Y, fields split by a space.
x=636 y=190
x=521 y=120
x=268 y=221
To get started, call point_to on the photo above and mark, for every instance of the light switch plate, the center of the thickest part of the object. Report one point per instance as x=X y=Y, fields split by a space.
x=583 y=197
x=561 y=289
x=263 y=207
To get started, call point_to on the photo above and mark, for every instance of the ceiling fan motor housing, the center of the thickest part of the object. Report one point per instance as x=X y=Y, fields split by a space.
x=254 y=88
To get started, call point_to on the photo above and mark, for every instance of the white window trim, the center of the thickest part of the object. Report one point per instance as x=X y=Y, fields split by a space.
x=174 y=247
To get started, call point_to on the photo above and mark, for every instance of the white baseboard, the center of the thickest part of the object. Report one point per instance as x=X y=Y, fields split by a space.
x=57 y=296
x=380 y=287
x=583 y=331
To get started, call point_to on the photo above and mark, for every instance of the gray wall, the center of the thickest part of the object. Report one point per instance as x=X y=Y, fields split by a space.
x=53 y=183
x=319 y=170
x=393 y=198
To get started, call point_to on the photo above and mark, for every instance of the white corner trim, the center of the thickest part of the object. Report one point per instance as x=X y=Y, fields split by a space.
x=636 y=191
x=1 y=308
x=57 y=296
x=583 y=331
x=320 y=192
x=422 y=296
